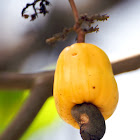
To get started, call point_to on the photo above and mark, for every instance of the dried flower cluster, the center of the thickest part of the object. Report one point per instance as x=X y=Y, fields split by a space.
x=83 y=19
x=90 y=20
x=42 y=9
x=59 y=36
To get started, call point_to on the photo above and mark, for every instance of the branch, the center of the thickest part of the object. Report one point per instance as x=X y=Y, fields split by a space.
x=126 y=65
x=41 y=90
x=26 y=81
x=10 y=80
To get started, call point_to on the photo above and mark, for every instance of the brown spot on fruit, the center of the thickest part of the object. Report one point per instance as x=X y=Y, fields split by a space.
x=74 y=54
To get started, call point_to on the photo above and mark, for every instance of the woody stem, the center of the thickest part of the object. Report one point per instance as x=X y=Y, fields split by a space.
x=77 y=28
x=74 y=10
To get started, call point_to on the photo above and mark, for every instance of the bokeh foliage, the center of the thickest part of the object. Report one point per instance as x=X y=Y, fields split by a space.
x=10 y=104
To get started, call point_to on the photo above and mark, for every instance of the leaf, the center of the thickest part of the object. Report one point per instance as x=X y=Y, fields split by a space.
x=10 y=103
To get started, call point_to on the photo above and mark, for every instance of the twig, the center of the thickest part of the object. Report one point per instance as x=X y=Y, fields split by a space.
x=74 y=9
x=59 y=36
x=77 y=27
x=92 y=19
x=81 y=36
x=41 y=90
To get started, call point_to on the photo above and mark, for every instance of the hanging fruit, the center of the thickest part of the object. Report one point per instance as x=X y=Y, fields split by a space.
x=85 y=90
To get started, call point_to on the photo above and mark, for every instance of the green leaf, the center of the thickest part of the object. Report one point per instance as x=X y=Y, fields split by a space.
x=10 y=103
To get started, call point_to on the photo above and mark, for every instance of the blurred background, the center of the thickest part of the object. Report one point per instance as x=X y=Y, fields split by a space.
x=23 y=49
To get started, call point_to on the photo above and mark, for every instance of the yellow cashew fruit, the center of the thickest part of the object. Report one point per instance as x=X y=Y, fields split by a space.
x=84 y=75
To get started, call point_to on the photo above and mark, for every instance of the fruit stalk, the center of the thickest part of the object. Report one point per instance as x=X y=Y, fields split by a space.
x=77 y=28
